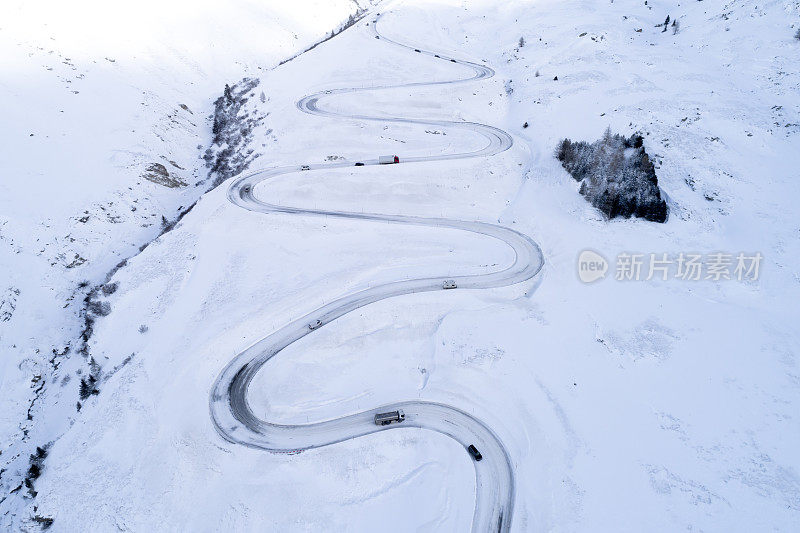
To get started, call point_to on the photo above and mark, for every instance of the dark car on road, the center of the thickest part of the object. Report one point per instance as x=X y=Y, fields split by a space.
x=473 y=451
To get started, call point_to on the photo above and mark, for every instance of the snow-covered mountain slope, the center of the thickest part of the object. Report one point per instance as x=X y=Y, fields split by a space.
x=650 y=405
x=105 y=119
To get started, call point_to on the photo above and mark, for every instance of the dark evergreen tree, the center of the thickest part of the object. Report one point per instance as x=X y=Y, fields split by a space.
x=616 y=176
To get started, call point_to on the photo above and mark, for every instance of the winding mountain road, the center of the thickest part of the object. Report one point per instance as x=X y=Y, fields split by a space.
x=230 y=410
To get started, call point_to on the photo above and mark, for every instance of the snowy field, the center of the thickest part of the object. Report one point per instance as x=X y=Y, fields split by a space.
x=92 y=96
x=625 y=405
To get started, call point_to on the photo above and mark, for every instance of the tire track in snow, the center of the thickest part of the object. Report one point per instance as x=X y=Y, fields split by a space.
x=230 y=410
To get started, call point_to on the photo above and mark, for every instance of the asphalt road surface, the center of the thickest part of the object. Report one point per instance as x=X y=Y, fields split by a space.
x=230 y=410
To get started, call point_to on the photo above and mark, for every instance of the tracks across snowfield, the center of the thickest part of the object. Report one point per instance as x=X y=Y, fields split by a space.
x=230 y=410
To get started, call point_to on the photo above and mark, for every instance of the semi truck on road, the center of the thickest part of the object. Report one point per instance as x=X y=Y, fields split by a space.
x=391 y=417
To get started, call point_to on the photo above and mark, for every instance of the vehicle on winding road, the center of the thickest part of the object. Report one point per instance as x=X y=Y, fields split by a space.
x=388 y=159
x=314 y=325
x=473 y=451
x=449 y=284
x=391 y=417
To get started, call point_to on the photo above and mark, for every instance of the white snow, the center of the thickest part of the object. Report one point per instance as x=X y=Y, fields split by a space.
x=91 y=95
x=625 y=405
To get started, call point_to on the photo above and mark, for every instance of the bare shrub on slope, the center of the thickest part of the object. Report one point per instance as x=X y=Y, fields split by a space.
x=232 y=131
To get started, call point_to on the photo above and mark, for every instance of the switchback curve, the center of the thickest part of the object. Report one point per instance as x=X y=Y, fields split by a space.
x=230 y=410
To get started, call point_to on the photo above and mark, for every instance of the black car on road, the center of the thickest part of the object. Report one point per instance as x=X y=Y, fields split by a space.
x=473 y=451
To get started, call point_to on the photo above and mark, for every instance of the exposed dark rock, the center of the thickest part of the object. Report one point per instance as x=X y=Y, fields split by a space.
x=35 y=466
x=110 y=288
x=158 y=173
x=45 y=521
